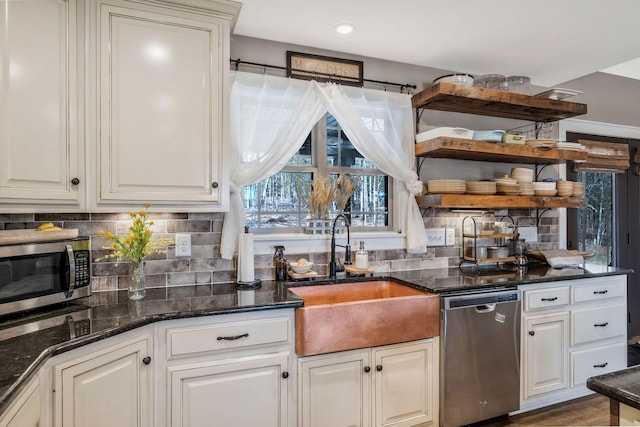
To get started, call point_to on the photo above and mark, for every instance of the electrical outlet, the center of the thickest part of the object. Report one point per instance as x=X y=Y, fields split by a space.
x=183 y=245
x=529 y=234
x=450 y=237
x=435 y=236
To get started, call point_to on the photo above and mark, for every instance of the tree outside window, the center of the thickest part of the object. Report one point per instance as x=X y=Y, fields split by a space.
x=278 y=202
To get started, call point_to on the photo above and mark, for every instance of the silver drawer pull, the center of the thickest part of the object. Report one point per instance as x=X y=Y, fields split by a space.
x=601 y=365
x=233 y=337
x=600 y=292
x=550 y=299
x=600 y=325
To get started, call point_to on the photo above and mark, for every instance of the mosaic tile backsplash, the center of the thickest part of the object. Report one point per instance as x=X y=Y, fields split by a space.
x=206 y=267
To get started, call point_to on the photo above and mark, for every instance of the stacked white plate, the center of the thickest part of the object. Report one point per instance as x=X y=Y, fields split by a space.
x=481 y=187
x=447 y=186
x=522 y=175
x=526 y=189
x=544 y=188
x=578 y=189
x=571 y=146
x=565 y=188
x=506 y=185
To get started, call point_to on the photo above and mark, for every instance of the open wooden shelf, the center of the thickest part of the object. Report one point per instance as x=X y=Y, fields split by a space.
x=497 y=201
x=495 y=103
x=469 y=149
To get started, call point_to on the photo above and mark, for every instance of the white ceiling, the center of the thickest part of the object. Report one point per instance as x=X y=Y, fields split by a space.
x=552 y=41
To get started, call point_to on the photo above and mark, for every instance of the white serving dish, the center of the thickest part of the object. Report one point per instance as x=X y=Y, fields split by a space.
x=544 y=185
x=444 y=131
x=558 y=93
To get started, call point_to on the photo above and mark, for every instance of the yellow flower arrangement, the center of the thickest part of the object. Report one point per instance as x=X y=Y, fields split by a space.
x=137 y=244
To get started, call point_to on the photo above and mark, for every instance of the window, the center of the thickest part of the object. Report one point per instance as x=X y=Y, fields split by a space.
x=595 y=222
x=279 y=203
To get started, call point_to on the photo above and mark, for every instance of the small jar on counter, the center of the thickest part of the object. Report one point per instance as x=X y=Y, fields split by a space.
x=362 y=257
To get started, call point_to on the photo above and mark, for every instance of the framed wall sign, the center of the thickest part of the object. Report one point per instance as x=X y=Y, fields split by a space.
x=324 y=68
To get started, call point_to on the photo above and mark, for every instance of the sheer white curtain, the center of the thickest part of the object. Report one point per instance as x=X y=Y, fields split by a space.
x=379 y=124
x=270 y=118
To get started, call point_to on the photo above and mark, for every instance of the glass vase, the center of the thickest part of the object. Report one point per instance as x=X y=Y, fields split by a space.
x=136 y=283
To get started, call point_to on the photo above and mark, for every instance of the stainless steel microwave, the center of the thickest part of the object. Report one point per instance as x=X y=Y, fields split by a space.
x=34 y=275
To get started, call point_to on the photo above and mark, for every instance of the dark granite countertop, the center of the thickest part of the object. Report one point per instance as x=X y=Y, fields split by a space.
x=454 y=280
x=27 y=341
x=623 y=385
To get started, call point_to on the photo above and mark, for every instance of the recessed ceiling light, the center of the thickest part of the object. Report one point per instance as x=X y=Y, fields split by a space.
x=344 y=28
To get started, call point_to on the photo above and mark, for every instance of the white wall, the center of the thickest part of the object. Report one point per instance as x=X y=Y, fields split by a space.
x=610 y=99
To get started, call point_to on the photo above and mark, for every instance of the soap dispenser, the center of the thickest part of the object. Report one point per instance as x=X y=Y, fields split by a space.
x=280 y=264
x=362 y=257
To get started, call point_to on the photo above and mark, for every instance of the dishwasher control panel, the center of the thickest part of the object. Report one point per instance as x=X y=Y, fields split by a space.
x=467 y=300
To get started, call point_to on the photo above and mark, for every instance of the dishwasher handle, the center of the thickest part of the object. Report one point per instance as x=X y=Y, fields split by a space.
x=485 y=308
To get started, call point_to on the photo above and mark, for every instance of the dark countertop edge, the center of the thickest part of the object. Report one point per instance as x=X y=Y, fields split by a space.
x=588 y=275
x=600 y=386
x=7 y=398
x=510 y=283
x=10 y=394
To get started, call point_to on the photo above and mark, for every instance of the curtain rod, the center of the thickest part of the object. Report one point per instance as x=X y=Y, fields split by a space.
x=332 y=77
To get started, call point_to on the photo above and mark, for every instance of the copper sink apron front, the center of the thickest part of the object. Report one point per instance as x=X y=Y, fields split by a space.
x=363 y=314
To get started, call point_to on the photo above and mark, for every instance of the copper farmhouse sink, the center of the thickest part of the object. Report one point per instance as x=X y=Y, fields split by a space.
x=347 y=316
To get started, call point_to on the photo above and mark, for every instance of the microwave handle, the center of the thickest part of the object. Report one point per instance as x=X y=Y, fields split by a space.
x=72 y=271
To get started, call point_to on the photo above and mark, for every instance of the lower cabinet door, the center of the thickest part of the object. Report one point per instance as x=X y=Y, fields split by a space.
x=404 y=386
x=334 y=390
x=25 y=411
x=246 y=393
x=546 y=343
x=106 y=388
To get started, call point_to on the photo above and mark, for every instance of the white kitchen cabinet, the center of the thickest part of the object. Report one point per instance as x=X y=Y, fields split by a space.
x=239 y=393
x=25 y=410
x=105 y=384
x=572 y=330
x=395 y=385
x=335 y=389
x=236 y=369
x=41 y=159
x=161 y=102
x=546 y=341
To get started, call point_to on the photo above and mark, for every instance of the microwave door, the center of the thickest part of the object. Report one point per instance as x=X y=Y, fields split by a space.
x=31 y=276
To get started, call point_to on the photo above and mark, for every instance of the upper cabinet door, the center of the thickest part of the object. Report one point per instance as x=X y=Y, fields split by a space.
x=39 y=152
x=162 y=100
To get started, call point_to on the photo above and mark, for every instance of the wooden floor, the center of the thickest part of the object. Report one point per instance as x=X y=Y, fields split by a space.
x=592 y=410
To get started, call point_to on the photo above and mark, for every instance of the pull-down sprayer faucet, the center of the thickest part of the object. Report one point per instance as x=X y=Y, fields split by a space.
x=347 y=247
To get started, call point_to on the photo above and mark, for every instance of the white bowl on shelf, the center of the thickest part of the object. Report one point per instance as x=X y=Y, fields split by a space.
x=543 y=185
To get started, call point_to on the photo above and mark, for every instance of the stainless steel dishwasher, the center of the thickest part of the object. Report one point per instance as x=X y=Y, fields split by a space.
x=480 y=357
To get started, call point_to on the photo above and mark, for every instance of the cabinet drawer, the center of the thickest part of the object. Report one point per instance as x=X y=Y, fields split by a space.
x=607 y=287
x=539 y=299
x=597 y=361
x=195 y=340
x=598 y=323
